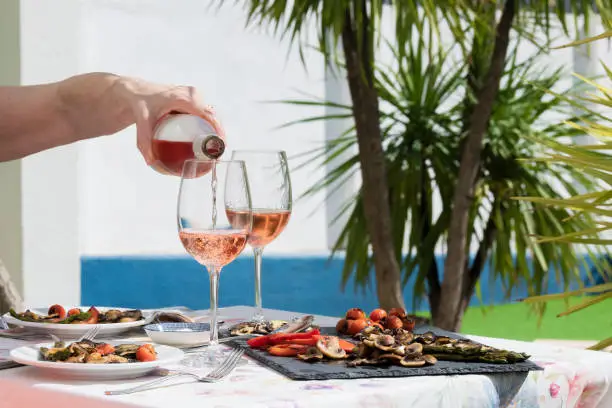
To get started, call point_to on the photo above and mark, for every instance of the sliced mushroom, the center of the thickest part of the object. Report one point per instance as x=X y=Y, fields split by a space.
x=443 y=340
x=411 y=362
x=429 y=359
x=130 y=316
x=330 y=347
x=114 y=359
x=413 y=349
x=312 y=354
x=384 y=342
x=391 y=357
x=404 y=337
x=369 y=343
x=76 y=359
x=426 y=338
x=363 y=351
x=357 y=362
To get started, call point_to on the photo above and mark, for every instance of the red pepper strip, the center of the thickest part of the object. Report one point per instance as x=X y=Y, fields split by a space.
x=282 y=337
x=312 y=341
x=258 y=342
x=346 y=345
x=287 y=350
x=271 y=339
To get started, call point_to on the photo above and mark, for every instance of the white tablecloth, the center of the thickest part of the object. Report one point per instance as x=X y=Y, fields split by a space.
x=571 y=378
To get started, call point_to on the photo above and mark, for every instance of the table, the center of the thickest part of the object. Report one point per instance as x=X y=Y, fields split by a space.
x=571 y=378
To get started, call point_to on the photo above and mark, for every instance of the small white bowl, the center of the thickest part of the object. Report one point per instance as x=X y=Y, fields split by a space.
x=179 y=334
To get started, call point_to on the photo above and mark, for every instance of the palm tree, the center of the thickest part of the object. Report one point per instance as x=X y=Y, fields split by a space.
x=484 y=41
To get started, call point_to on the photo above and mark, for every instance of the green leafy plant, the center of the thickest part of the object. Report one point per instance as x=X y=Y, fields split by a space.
x=421 y=122
x=354 y=27
x=594 y=160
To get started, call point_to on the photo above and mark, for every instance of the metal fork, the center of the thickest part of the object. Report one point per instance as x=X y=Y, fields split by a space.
x=3 y=324
x=90 y=334
x=218 y=374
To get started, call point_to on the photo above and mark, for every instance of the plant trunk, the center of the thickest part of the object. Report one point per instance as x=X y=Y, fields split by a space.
x=433 y=280
x=458 y=247
x=474 y=272
x=9 y=296
x=375 y=192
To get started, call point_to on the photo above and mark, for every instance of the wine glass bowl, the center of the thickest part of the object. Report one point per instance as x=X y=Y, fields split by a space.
x=205 y=230
x=213 y=248
x=272 y=201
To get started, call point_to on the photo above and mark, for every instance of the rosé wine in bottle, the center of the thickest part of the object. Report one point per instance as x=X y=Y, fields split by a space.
x=178 y=137
x=214 y=248
x=267 y=224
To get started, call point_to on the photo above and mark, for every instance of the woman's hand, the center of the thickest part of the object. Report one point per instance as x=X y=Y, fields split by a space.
x=149 y=102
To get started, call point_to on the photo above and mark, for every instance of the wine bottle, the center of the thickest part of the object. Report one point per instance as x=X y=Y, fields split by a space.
x=178 y=137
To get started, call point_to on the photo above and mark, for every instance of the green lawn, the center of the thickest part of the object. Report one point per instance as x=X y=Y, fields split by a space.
x=516 y=321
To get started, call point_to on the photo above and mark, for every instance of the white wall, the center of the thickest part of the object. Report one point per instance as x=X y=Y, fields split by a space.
x=50 y=44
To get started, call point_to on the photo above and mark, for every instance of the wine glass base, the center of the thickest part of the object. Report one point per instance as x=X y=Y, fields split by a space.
x=258 y=318
x=210 y=358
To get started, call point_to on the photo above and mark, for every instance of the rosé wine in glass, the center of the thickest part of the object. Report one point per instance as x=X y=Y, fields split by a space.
x=271 y=205
x=267 y=224
x=214 y=247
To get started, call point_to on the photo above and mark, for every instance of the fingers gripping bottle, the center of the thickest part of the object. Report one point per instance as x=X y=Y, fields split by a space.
x=178 y=137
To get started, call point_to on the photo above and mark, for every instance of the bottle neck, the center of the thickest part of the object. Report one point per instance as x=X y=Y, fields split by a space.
x=208 y=146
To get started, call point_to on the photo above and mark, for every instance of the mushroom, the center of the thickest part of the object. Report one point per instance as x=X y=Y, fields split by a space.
x=412 y=362
x=330 y=347
x=384 y=342
x=312 y=354
x=391 y=358
x=413 y=349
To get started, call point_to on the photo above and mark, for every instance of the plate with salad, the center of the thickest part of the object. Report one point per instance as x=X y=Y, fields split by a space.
x=76 y=321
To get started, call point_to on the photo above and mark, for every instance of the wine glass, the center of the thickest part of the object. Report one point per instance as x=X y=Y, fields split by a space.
x=205 y=229
x=271 y=198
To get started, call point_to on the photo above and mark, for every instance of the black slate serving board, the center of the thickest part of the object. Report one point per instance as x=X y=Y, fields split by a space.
x=300 y=370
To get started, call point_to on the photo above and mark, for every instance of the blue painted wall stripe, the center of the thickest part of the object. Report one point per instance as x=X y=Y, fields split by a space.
x=302 y=284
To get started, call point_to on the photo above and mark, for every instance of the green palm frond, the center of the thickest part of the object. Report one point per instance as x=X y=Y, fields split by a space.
x=596 y=202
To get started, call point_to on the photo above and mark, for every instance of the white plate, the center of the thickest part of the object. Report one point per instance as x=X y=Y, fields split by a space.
x=179 y=334
x=77 y=330
x=28 y=355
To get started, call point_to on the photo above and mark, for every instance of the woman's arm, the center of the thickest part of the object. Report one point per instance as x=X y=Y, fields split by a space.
x=31 y=120
x=39 y=117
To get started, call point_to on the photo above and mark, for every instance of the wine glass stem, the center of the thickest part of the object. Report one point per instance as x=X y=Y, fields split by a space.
x=213 y=273
x=258 y=316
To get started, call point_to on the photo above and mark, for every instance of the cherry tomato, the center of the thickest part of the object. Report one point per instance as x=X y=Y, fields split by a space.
x=57 y=310
x=342 y=326
x=105 y=349
x=74 y=311
x=408 y=324
x=95 y=314
x=394 y=322
x=355 y=313
x=377 y=315
x=146 y=352
x=355 y=326
x=397 y=311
